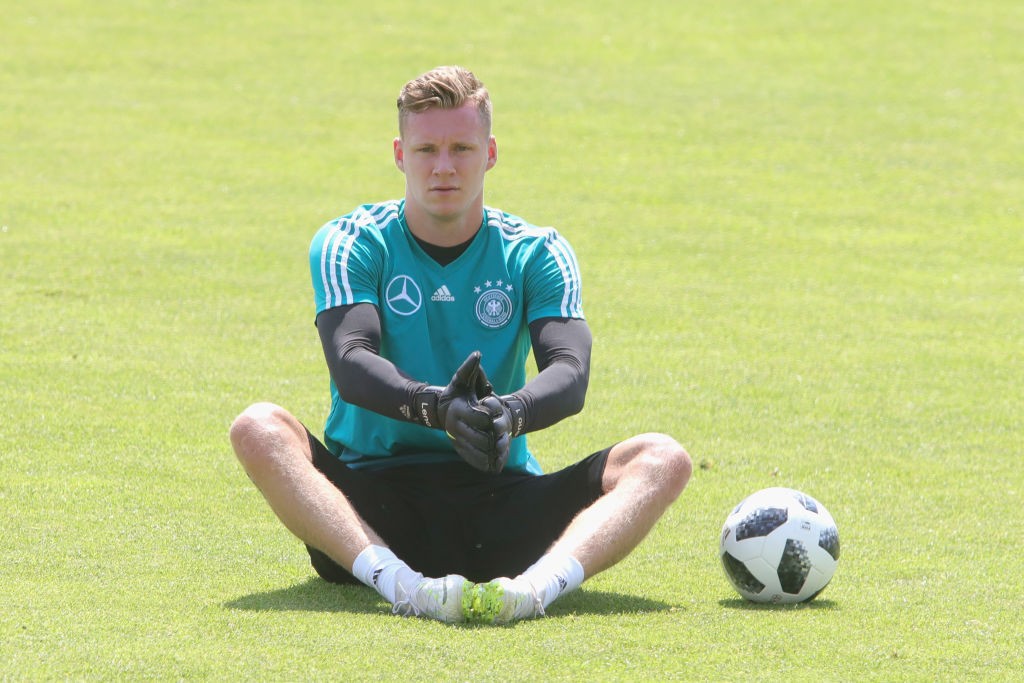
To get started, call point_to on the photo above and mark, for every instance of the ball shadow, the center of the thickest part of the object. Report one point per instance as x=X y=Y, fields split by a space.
x=740 y=603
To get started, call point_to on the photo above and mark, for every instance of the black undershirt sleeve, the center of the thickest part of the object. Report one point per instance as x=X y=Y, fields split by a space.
x=351 y=336
x=561 y=347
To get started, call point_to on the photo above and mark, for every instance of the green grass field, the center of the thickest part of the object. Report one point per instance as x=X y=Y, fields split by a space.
x=802 y=238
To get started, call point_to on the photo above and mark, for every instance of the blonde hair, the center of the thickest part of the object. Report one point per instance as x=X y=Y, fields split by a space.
x=446 y=87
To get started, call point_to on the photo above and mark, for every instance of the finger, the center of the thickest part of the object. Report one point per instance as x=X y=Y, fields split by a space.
x=463 y=409
x=476 y=459
x=473 y=425
x=500 y=418
x=499 y=454
x=483 y=385
x=491 y=404
x=472 y=439
x=475 y=448
x=502 y=423
x=465 y=376
x=480 y=435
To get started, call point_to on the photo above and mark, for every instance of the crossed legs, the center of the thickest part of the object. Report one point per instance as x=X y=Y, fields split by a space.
x=642 y=477
x=272 y=447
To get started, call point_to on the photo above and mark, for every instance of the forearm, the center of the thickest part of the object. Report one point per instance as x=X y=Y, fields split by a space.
x=350 y=336
x=351 y=340
x=562 y=349
x=369 y=381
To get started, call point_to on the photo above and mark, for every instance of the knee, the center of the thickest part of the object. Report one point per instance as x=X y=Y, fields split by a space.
x=256 y=431
x=665 y=462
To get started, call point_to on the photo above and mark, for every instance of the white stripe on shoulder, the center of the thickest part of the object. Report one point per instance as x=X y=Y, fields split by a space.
x=516 y=229
x=337 y=248
x=335 y=280
x=572 y=303
x=384 y=213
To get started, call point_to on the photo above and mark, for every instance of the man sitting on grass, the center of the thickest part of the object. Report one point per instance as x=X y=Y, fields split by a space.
x=424 y=488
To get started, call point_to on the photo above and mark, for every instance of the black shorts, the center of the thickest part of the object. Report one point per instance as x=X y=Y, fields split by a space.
x=448 y=518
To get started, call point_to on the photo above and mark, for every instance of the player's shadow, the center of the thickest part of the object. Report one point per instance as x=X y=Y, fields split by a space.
x=583 y=601
x=317 y=595
x=313 y=595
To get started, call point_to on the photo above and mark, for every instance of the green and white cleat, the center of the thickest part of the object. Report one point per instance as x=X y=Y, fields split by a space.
x=500 y=601
x=482 y=602
x=441 y=599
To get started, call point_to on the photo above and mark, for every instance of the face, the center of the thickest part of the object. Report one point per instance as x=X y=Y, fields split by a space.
x=444 y=154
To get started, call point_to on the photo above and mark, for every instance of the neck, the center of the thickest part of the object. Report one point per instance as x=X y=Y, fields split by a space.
x=443 y=231
x=443 y=255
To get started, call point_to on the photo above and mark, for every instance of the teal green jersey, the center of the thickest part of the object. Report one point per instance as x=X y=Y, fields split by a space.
x=433 y=316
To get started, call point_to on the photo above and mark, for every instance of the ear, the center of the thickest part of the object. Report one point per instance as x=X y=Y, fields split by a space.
x=399 y=155
x=492 y=153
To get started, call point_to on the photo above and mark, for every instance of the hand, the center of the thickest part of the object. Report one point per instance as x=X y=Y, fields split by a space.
x=500 y=419
x=431 y=403
x=461 y=392
x=478 y=423
x=507 y=414
x=455 y=408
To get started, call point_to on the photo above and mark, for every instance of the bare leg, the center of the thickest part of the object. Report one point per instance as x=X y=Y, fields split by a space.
x=274 y=450
x=272 y=447
x=643 y=476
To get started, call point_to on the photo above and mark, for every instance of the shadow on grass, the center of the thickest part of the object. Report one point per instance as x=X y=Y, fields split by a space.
x=585 y=601
x=317 y=595
x=740 y=603
x=314 y=595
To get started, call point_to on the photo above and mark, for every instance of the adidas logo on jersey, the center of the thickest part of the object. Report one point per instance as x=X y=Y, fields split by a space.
x=442 y=294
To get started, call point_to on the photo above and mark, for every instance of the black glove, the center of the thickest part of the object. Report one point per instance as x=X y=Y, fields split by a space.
x=507 y=415
x=454 y=408
x=431 y=403
x=500 y=434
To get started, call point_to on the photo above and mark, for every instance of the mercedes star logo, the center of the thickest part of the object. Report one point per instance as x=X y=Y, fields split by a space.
x=403 y=295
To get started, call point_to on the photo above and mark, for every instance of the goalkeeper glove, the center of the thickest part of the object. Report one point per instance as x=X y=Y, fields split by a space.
x=454 y=409
x=508 y=420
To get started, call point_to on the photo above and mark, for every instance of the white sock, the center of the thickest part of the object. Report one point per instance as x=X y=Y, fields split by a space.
x=379 y=568
x=554 y=574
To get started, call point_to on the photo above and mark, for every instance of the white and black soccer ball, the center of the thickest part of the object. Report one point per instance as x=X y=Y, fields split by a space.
x=779 y=546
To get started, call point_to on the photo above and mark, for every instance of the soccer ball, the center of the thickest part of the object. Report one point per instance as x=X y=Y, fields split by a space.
x=780 y=546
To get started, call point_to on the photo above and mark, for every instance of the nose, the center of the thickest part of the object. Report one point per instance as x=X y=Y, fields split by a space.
x=443 y=163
